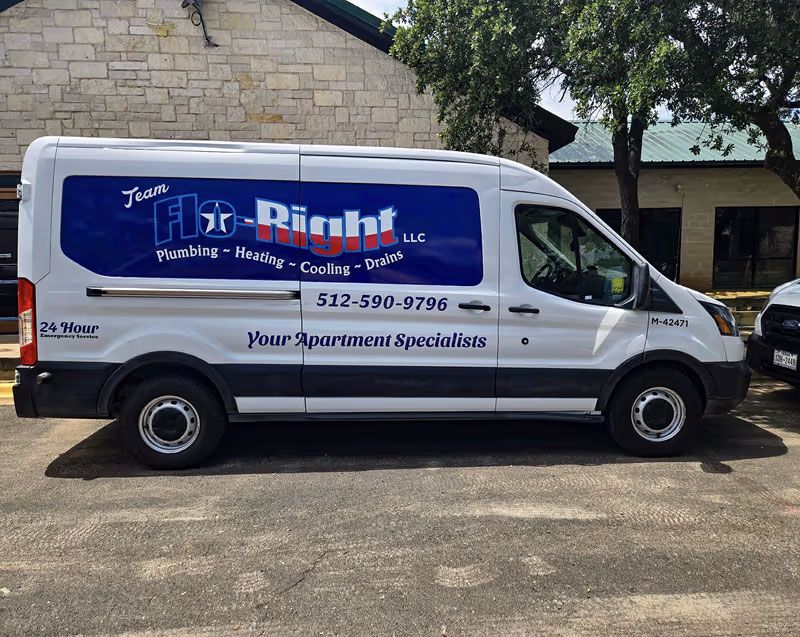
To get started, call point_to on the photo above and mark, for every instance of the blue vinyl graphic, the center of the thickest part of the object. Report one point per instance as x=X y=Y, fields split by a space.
x=272 y=230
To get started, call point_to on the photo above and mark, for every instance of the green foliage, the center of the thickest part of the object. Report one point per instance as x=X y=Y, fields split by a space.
x=740 y=57
x=618 y=60
x=740 y=70
x=481 y=59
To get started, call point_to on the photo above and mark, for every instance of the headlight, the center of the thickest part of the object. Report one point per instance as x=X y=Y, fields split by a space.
x=722 y=316
x=757 y=326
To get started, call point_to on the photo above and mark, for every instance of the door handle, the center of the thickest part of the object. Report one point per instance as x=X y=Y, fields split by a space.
x=521 y=309
x=474 y=306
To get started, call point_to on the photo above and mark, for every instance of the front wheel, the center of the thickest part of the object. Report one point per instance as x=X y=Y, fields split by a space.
x=654 y=413
x=172 y=422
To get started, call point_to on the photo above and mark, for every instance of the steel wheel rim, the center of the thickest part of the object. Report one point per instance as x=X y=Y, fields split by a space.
x=650 y=417
x=169 y=424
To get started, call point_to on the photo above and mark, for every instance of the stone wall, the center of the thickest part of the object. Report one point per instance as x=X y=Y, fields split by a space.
x=697 y=191
x=139 y=68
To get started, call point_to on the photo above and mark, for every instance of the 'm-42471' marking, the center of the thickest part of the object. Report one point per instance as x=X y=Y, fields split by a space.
x=387 y=302
x=669 y=322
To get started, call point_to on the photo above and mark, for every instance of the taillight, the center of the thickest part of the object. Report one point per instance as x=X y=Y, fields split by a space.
x=26 y=302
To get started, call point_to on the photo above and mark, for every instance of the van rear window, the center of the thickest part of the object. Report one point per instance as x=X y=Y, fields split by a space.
x=272 y=230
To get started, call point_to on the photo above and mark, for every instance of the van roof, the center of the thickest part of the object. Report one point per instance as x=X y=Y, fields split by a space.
x=304 y=149
x=514 y=176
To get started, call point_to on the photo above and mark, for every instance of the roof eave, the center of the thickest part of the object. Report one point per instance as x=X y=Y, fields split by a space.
x=356 y=24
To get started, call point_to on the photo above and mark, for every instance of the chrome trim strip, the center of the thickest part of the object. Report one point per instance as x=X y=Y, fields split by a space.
x=200 y=293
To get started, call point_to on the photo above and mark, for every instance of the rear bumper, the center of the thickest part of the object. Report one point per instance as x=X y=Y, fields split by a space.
x=731 y=382
x=760 y=356
x=70 y=390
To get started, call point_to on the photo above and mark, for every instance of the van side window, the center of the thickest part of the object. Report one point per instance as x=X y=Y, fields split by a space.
x=562 y=254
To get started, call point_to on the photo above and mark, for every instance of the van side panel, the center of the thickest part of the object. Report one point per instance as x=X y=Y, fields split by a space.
x=131 y=226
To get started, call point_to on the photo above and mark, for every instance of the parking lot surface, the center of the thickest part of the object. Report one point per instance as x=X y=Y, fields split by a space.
x=479 y=528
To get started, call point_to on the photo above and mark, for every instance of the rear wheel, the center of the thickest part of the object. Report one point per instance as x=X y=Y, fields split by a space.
x=172 y=422
x=654 y=413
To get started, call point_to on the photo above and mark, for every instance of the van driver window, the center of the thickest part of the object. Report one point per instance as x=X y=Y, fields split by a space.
x=563 y=255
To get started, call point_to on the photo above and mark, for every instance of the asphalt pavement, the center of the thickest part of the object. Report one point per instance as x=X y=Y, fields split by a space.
x=480 y=528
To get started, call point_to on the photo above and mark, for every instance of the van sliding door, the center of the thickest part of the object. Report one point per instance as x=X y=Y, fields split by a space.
x=398 y=283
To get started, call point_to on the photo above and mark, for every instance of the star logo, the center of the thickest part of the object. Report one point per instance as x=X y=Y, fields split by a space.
x=216 y=221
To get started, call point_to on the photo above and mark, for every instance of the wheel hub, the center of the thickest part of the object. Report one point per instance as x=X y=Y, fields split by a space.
x=658 y=414
x=169 y=424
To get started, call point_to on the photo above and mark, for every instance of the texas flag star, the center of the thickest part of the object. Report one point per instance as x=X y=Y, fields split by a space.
x=216 y=219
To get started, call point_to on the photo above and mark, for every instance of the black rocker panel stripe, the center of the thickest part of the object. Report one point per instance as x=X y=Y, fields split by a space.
x=513 y=382
x=419 y=382
x=367 y=380
x=411 y=381
x=262 y=380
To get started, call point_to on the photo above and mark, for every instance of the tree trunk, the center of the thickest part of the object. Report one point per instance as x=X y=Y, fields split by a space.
x=780 y=157
x=629 y=206
x=627 y=143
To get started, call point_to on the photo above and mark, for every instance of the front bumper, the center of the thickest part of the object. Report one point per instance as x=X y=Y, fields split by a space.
x=731 y=382
x=70 y=390
x=760 y=356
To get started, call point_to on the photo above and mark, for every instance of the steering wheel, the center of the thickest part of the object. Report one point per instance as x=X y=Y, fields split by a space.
x=550 y=269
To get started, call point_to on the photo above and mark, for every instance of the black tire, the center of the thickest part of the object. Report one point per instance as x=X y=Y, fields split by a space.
x=658 y=411
x=173 y=416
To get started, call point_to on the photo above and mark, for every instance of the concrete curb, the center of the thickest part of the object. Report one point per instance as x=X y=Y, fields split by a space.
x=6 y=395
x=7 y=367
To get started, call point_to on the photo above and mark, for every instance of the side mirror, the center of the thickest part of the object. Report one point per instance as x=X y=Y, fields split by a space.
x=641 y=287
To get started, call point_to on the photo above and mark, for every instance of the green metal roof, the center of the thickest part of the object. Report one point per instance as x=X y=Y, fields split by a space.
x=663 y=144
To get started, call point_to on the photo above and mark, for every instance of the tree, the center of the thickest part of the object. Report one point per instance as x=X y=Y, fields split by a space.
x=483 y=59
x=741 y=71
x=617 y=63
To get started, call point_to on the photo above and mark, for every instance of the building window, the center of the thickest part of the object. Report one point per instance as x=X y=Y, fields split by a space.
x=659 y=236
x=9 y=210
x=755 y=247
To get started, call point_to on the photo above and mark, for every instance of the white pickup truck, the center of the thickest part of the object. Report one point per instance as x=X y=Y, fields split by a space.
x=773 y=347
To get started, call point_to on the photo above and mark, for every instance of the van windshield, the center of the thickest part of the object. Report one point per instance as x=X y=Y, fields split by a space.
x=561 y=254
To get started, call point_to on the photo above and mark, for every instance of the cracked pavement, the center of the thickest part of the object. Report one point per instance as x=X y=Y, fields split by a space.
x=465 y=528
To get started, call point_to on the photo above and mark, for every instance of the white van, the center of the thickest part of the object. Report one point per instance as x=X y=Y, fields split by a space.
x=179 y=286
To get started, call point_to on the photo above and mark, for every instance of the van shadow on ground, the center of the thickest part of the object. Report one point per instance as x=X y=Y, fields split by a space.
x=365 y=446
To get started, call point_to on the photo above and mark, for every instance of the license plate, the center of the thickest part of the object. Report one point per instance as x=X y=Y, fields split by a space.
x=785 y=359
